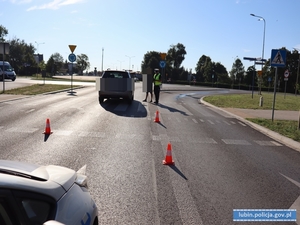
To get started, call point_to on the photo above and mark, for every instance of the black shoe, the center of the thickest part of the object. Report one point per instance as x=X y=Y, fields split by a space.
x=144 y=100
x=156 y=103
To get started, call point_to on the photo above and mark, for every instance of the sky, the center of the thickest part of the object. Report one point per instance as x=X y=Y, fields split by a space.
x=116 y=34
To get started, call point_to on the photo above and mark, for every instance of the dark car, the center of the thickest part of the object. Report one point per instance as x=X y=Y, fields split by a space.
x=115 y=84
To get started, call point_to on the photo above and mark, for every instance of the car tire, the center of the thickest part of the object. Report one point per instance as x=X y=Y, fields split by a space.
x=13 y=79
x=130 y=100
x=101 y=99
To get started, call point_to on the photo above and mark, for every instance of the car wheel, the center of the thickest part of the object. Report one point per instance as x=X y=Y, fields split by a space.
x=130 y=100
x=101 y=99
x=13 y=79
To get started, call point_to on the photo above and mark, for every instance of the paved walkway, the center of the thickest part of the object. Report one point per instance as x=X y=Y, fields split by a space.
x=265 y=114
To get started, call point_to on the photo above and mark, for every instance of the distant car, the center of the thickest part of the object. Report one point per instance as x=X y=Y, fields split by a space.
x=32 y=195
x=9 y=72
x=115 y=84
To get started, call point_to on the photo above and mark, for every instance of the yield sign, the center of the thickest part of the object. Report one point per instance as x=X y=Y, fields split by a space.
x=278 y=58
x=72 y=48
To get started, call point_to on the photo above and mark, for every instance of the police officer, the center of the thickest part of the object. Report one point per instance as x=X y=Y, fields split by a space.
x=157 y=84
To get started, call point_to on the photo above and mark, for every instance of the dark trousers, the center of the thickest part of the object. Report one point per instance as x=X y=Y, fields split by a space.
x=156 y=92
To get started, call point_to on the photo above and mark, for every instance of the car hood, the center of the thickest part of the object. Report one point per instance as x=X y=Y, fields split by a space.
x=52 y=180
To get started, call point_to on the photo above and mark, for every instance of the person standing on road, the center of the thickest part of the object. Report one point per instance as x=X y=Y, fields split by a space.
x=149 y=86
x=157 y=84
x=148 y=92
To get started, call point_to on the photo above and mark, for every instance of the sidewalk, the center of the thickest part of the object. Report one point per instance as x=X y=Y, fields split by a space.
x=242 y=114
x=264 y=114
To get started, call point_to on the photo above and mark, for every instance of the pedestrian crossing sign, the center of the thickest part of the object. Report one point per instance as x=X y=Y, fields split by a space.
x=278 y=58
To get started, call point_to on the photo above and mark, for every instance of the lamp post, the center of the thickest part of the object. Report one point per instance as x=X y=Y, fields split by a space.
x=102 y=62
x=129 y=61
x=120 y=64
x=296 y=86
x=38 y=57
x=263 y=48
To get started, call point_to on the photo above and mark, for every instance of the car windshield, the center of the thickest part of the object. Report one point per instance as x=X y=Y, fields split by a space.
x=7 y=68
x=115 y=74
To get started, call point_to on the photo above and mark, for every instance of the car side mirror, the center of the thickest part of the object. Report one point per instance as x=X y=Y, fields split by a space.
x=52 y=222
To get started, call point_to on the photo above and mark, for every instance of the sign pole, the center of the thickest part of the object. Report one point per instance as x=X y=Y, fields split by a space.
x=3 y=76
x=72 y=58
x=275 y=84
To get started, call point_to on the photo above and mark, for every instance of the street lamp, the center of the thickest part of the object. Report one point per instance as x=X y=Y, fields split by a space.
x=263 y=48
x=129 y=61
x=120 y=64
x=38 y=58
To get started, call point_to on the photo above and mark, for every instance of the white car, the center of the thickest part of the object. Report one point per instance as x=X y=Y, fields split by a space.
x=32 y=195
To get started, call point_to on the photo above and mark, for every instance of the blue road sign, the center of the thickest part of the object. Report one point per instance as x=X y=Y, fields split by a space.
x=72 y=57
x=278 y=58
x=162 y=64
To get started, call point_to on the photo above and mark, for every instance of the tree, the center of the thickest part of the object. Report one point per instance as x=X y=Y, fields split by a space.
x=82 y=62
x=220 y=73
x=55 y=63
x=150 y=62
x=21 y=56
x=3 y=33
x=250 y=76
x=237 y=71
x=175 y=55
x=174 y=58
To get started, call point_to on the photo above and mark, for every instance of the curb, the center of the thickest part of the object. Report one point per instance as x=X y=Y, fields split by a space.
x=278 y=137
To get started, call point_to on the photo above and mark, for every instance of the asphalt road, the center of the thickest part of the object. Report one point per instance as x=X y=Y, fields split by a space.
x=221 y=163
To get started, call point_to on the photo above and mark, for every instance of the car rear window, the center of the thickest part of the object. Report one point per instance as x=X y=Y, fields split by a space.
x=115 y=74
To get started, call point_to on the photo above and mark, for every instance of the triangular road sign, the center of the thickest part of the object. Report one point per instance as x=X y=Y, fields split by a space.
x=72 y=48
x=278 y=58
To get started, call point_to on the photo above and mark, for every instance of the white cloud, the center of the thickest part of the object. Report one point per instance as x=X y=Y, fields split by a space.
x=54 y=5
x=246 y=50
x=19 y=2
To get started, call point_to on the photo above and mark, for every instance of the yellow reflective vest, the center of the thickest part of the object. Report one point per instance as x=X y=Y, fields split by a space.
x=156 y=79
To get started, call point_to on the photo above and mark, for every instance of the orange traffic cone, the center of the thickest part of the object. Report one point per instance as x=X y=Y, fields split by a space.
x=156 y=117
x=47 y=129
x=168 y=160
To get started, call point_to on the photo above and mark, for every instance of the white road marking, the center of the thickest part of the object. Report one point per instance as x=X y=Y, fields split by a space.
x=29 y=111
x=268 y=143
x=227 y=123
x=211 y=122
x=296 y=204
x=22 y=130
x=244 y=125
x=195 y=121
x=235 y=142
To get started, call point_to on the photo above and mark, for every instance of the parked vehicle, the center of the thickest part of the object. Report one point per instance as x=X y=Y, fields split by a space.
x=9 y=72
x=115 y=84
x=32 y=194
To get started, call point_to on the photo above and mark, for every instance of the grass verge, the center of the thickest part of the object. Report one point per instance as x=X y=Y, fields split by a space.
x=282 y=102
x=286 y=128
x=245 y=101
x=37 y=89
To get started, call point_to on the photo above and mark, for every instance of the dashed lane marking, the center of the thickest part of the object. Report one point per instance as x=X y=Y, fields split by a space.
x=268 y=143
x=235 y=142
x=244 y=125
x=195 y=121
